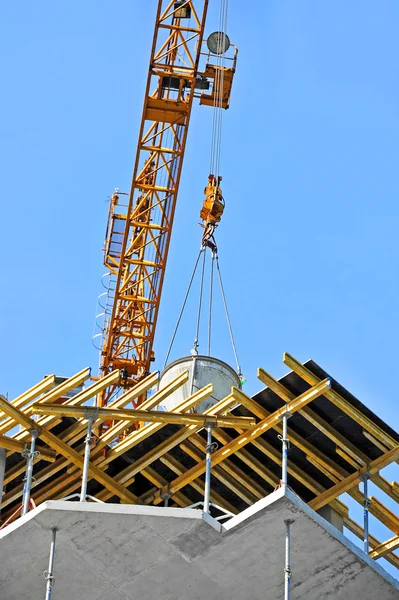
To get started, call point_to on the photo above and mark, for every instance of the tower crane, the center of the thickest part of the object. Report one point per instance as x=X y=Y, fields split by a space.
x=139 y=230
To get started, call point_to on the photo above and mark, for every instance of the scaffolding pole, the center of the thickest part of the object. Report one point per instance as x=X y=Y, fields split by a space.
x=50 y=573
x=285 y=448
x=85 y=474
x=366 y=512
x=30 y=456
x=209 y=450
x=287 y=567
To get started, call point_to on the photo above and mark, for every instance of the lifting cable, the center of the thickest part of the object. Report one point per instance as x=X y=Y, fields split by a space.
x=218 y=99
x=210 y=303
x=194 y=352
x=183 y=307
x=228 y=317
x=196 y=342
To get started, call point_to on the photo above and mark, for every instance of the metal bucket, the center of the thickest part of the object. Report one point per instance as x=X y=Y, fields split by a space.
x=202 y=371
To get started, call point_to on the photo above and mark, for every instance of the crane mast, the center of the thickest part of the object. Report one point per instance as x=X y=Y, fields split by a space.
x=138 y=231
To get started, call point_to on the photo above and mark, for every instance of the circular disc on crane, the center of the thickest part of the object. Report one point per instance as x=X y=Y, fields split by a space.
x=218 y=42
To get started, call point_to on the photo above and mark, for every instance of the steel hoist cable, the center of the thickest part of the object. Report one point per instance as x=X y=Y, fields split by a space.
x=228 y=317
x=196 y=341
x=217 y=119
x=194 y=351
x=210 y=303
x=183 y=307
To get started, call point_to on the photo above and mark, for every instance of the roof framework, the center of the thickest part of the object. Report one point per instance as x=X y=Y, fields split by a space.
x=335 y=442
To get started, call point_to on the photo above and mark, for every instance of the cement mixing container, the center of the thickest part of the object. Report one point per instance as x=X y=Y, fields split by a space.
x=202 y=371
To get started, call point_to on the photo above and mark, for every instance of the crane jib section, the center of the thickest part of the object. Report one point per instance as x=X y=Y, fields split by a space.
x=139 y=229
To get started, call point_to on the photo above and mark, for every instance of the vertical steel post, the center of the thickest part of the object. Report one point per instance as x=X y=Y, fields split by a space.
x=30 y=456
x=287 y=567
x=50 y=572
x=208 y=469
x=286 y=444
x=3 y=460
x=366 y=513
x=166 y=497
x=85 y=474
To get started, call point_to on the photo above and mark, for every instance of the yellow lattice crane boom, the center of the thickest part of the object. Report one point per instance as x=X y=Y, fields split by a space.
x=138 y=232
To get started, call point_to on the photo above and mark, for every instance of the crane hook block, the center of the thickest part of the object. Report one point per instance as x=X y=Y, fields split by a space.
x=213 y=206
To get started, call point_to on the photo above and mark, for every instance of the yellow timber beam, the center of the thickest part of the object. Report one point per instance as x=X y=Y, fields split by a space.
x=78 y=429
x=80 y=398
x=148 y=404
x=358 y=531
x=345 y=448
x=315 y=456
x=245 y=438
x=144 y=416
x=349 y=482
x=15 y=446
x=378 y=443
x=278 y=388
x=54 y=394
x=273 y=454
x=386 y=516
x=164 y=447
x=72 y=477
x=247 y=458
x=66 y=386
x=97 y=455
x=125 y=477
x=231 y=481
x=232 y=477
x=50 y=439
x=138 y=436
x=39 y=477
x=385 y=547
x=33 y=392
x=25 y=398
x=174 y=465
x=331 y=470
x=340 y=402
x=59 y=489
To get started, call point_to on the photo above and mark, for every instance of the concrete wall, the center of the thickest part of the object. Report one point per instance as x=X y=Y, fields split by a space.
x=330 y=515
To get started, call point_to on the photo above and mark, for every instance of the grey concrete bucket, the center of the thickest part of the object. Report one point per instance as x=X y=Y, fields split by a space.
x=202 y=371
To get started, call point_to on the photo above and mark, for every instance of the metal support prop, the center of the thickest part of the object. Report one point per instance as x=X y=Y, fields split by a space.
x=286 y=446
x=49 y=575
x=30 y=456
x=208 y=460
x=3 y=460
x=166 y=497
x=287 y=568
x=366 y=512
x=85 y=474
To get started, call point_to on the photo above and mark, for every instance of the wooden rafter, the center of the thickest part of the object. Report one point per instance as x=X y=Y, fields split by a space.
x=137 y=415
x=352 y=480
x=341 y=403
x=245 y=438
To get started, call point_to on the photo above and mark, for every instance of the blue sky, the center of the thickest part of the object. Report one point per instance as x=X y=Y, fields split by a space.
x=308 y=242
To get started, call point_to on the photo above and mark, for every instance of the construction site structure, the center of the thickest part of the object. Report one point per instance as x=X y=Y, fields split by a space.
x=179 y=484
x=268 y=515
